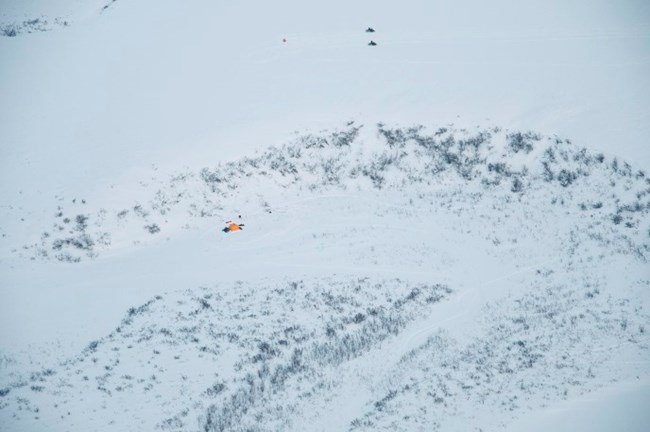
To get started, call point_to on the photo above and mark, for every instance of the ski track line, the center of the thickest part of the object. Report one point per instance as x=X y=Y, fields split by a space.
x=373 y=379
x=296 y=205
x=335 y=269
x=357 y=380
x=474 y=294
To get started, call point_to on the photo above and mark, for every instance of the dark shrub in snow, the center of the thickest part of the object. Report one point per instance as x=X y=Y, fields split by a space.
x=521 y=142
x=566 y=177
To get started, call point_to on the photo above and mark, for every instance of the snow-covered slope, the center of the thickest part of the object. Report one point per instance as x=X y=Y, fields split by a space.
x=447 y=231
x=521 y=263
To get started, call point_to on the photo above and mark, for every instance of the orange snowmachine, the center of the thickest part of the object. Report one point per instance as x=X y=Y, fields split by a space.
x=231 y=226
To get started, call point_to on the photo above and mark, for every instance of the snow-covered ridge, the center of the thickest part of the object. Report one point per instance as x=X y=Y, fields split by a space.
x=280 y=355
x=217 y=354
x=610 y=195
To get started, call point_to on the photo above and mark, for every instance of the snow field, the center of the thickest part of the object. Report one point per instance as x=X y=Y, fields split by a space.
x=129 y=134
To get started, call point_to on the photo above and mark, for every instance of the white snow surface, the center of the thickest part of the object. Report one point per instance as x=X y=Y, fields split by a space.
x=449 y=231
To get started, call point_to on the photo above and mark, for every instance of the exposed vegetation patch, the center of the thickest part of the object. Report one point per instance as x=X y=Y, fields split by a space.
x=33 y=25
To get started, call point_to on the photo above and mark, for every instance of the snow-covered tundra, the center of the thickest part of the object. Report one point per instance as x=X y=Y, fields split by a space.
x=448 y=231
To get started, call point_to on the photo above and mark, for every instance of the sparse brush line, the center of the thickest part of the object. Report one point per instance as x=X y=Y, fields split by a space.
x=444 y=164
x=308 y=361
